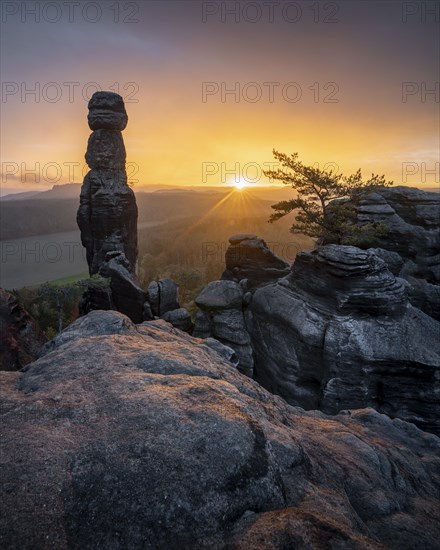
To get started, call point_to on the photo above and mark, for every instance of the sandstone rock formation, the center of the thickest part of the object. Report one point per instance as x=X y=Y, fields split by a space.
x=179 y=318
x=124 y=436
x=339 y=332
x=163 y=296
x=413 y=218
x=249 y=258
x=20 y=336
x=221 y=317
x=97 y=295
x=107 y=112
x=107 y=215
x=127 y=296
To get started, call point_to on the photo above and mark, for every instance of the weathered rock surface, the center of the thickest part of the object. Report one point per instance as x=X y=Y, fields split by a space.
x=20 y=336
x=143 y=437
x=425 y=296
x=248 y=257
x=413 y=218
x=107 y=111
x=221 y=317
x=106 y=151
x=163 y=296
x=107 y=215
x=179 y=318
x=339 y=332
x=96 y=296
x=127 y=296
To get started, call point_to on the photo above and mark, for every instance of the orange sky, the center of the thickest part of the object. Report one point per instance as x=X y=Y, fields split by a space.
x=174 y=137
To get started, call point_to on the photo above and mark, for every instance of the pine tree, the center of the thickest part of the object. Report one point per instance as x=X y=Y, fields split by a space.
x=325 y=206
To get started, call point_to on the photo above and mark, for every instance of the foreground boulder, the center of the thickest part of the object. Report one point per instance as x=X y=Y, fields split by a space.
x=124 y=436
x=249 y=259
x=21 y=339
x=339 y=332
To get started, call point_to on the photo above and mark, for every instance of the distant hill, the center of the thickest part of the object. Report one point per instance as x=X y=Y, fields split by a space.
x=66 y=191
x=19 y=196
x=54 y=211
x=72 y=191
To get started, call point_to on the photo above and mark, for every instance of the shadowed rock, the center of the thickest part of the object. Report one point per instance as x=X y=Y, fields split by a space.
x=124 y=436
x=20 y=336
x=106 y=150
x=179 y=318
x=339 y=332
x=128 y=297
x=425 y=296
x=107 y=111
x=413 y=217
x=107 y=215
x=163 y=296
x=221 y=317
x=248 y=257
x=96 y=296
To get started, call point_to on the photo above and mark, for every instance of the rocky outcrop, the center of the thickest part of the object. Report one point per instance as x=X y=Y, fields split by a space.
x=107 y=215
x=127 y=296
x=249 y=259
x=424 y=296
x=163 y=296
x=179 y=318
x=221 y=317
x=413 y=217
x=339 y=332
x=107 y=112
x=97 y=295
x=20 y=336
x=124 y=436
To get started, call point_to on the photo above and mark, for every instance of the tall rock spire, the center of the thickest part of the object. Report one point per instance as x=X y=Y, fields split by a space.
x=107 y=215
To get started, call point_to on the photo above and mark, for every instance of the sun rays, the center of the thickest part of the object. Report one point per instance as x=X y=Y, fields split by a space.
x=238 y=203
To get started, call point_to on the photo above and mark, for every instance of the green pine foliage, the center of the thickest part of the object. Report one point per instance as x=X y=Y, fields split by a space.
x=325 y=206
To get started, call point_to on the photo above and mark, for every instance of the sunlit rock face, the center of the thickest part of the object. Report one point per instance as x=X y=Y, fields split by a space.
x=249 y=259
x=107 y=215
x=413 y=218
x=221 y=317
x=20 y=337
x=124 y=436
x=339 y=333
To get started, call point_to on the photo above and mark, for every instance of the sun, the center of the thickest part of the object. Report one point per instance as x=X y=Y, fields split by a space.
x=240 y=184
